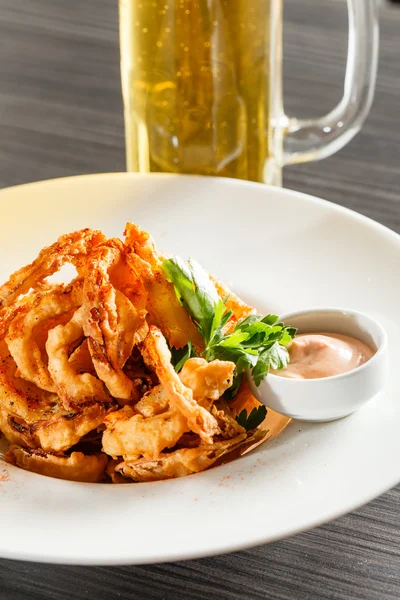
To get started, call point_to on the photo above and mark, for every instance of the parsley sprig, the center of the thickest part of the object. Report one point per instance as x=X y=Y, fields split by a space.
x=180 y=355
x=256 y=343
x=254 y=419
x=197 y=294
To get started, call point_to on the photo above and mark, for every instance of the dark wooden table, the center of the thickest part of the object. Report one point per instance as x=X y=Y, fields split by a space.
x=61 y=114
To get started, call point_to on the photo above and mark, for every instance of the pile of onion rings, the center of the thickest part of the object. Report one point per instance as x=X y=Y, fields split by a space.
x=87 y=388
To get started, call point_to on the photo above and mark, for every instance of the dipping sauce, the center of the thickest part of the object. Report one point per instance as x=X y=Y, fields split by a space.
x=318 y=355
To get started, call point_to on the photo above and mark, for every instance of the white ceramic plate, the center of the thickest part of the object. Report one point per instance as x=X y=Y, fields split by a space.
x=284 y=251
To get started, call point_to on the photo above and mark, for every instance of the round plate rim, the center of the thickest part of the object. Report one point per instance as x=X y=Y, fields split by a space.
x=261 y=539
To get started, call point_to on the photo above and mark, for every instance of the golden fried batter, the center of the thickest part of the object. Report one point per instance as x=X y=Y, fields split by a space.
x=162 y=304
x=72 y=248
x=73 y=388
x=158 y=357
x=111 y=322
x=153 y=402
x=72 y=354
x=37 y=417
x=208 y=381
x=228 y=425
x=63 y=431
x=179 y=463
x=77 y=467
x=131 y=435
x=20 y=339
x=23 y=398
x=15 y=431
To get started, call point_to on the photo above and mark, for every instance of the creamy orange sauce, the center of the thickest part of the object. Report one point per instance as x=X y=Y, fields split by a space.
x=317 y=355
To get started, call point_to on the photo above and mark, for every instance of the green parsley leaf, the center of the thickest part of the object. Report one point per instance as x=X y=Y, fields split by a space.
x=253 y=345
x=180 y=355
x=243 y=358
x=255 y=418
x=197 y=294
x=288 y=335
x=270 y=319
x=247 y=321
x=234 y=340
x=275 y=357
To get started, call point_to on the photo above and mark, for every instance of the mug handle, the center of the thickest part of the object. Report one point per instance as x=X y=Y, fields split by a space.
x=306 y=140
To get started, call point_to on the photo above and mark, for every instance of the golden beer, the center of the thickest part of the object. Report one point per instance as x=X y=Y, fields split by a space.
x=196 y=86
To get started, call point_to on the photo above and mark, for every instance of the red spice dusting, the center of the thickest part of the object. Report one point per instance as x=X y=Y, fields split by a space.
x=4 y=476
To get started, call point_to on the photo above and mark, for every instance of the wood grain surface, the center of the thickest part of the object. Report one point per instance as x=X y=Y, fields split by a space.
x=61 y=114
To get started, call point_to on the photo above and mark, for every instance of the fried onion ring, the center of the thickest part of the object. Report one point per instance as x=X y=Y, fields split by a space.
x=162 y=304
x=80 y=359
x=111 y=322
x=72 y=387
x=153 y=402
x=22 y=398
x=20 y=338
x=228 y=425
x=77 y=467
x=14 y=432
x=62 y=431
x=207 y=380
x=72 y=248
x=115 y=477
x=179 y=463
x=158 y=357
x=131 y=435
x=38 y=417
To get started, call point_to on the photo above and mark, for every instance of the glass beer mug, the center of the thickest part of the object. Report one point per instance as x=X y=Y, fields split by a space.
x=202 y=88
